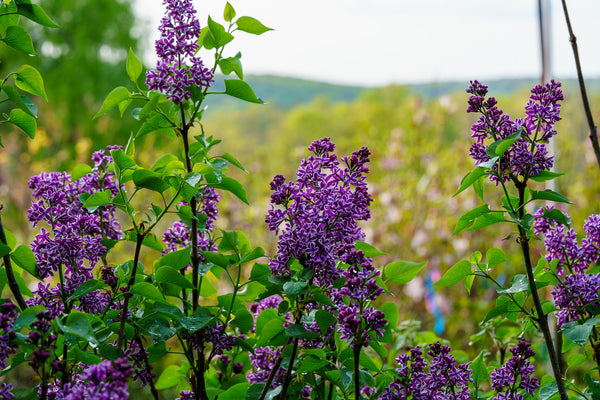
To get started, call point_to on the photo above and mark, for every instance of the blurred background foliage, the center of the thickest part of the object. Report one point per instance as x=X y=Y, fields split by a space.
x=419 y=137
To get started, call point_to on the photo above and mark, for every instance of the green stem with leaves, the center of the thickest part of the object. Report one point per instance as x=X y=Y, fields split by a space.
x=138 y=247
x=541 y=317
x=10 y=276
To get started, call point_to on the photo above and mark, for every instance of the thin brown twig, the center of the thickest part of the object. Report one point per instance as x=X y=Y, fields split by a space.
x=586 y=104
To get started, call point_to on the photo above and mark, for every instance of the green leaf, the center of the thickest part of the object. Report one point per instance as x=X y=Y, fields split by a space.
x=499 y=147
x=470 y=178
x=504 y=305
x=176 y=259
x=134 y=66
x=232 y=160
x=232 y=64
x=97 y=199
x=402 y=271
x=549 y=195
x=116 y=96
x=85 y=288
x=232 y=186
x=311 y=363
x=243 y=320
x=220 y=36
x=548 y=390
x=18 y=38
x=24 y=258
x=198 y=320
x=557 y=216
x=24 y=121
x=228 y=13
x=148 y=291
x=518 y=283
x=78 y=324
x=4 y=250
x=487 y=220
x=79 y=171
x=293 y=289
x=545 y=176
x=20 y=101
x=122 y=160
x=35 y=13
x=170 y=275
x=235 y=392
x=26 y=317
x=269 y=331
x=455 y=274
x=147 y=179
x=29 y=79
x=467 y=218
x=324 y=320
x=368 y=249
x=494 y=257
x=171 y=376
x=241 y=90
x=576 y=359
x=479 y=369
x=391 y=312
x=298 y=330
x=579 y=334
x=156 y=123
x=251 y=25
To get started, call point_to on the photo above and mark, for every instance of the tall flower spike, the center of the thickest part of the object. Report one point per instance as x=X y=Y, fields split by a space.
x=178 y=68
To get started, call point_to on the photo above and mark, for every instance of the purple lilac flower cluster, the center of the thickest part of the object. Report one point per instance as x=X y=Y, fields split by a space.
x=527 y=156
x=8 y=315
x=316 y=216
x=104 y=381
x=577 y=293
x=441 y=379
x=178 y=235
x=73 y=243
x=360 y=288
x=514 y=377
x=44 y=340
x=178 y=68
x=137 y=356
x=5 y=392
x=186 y=395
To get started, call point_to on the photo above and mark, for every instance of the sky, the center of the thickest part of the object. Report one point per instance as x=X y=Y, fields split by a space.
x=379 y=42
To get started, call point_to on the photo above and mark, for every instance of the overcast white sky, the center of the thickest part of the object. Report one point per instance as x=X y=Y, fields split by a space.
x=376 y=42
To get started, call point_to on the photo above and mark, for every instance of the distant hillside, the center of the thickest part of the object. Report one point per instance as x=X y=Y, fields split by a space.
x=285 y=93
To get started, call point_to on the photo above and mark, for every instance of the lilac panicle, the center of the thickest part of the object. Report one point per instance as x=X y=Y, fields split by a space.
x=104 y=381
x=528 y=155
x=178 y=68
x=8 y=315
x=316 y=216
x=73 y=238
x=5 y=392
x=441 y=378
x=515 y=376
x=577 y=292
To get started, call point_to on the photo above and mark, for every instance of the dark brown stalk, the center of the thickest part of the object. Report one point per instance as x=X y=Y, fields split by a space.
x=357 y=348
x=272 y=374
x=288 y=374
x=586 y=104
x=10 y=276
x=541 y=318
x=193 y=206
x=138 y=246
x=200 y=383
x=147 y=366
